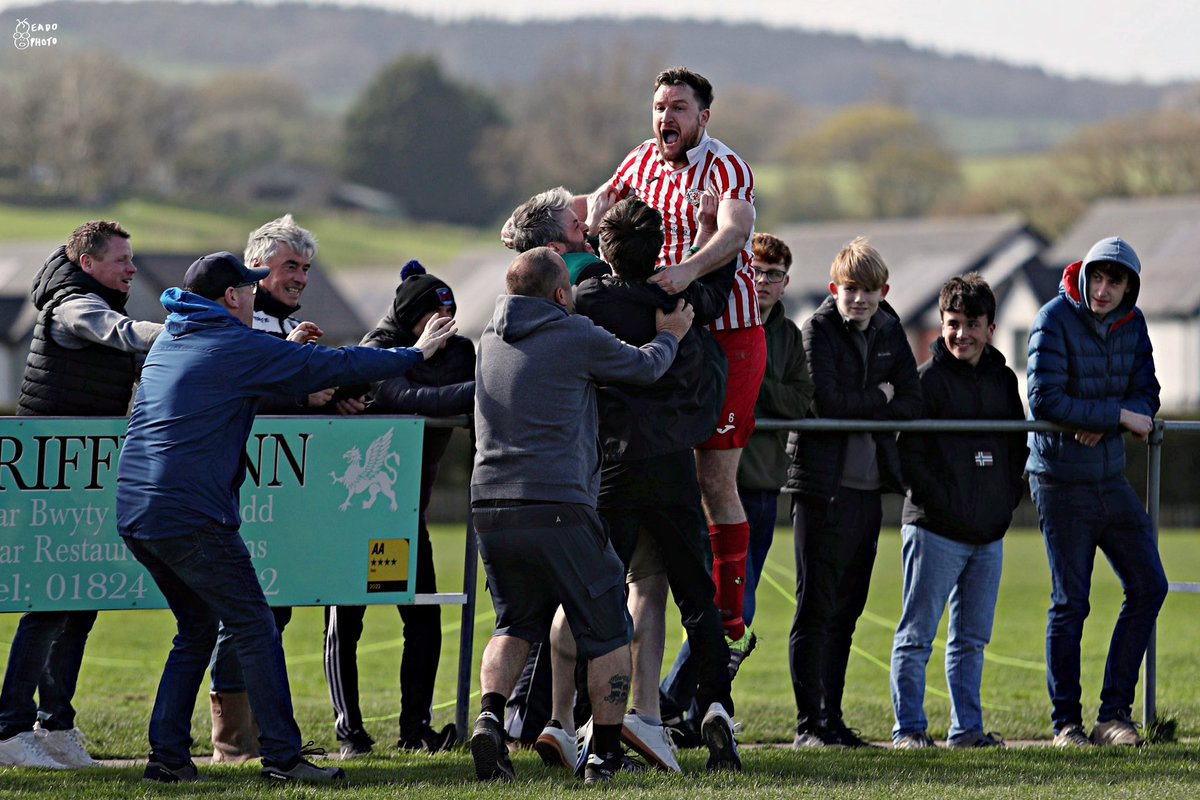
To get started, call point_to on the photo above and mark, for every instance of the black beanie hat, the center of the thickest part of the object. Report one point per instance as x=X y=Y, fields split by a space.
x=417 y=295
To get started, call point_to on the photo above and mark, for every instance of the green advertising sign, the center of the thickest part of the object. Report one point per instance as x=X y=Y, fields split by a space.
x=329 y=513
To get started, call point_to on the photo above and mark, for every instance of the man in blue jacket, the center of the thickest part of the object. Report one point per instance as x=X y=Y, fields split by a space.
x=1091 y=369
x=181 y=467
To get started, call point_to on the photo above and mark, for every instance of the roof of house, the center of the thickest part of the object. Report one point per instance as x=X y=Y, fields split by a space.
x=921 y=254
x=1165 y=232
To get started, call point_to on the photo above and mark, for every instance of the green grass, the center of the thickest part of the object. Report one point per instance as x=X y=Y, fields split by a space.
x=346 y=239
x=126 y=652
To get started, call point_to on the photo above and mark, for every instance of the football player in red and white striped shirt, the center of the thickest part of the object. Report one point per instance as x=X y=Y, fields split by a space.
x=672 y=172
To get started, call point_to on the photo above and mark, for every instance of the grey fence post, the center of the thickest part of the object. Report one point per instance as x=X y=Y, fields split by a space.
x=1153 y=497
x=466 y=633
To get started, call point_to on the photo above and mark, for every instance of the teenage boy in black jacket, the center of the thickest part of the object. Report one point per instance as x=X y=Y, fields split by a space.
x=962 y=489
x=862 y=368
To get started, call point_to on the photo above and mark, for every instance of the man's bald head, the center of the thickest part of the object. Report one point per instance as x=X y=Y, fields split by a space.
x=539 y=272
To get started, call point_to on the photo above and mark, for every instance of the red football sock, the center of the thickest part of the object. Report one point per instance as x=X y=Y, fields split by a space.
x=729 y=544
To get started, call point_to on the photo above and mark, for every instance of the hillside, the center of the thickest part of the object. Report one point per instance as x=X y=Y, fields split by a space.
x=333 y=52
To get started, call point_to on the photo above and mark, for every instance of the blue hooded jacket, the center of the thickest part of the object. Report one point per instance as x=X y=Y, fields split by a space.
x=183 y=461
x=1082 y=372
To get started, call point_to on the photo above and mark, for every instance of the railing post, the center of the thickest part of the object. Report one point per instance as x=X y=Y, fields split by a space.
x=466 y=632
x=1153 y=497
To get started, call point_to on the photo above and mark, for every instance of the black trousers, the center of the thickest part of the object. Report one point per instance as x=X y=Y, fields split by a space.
x=418 y=663
x=835 y=544
x=659 y=498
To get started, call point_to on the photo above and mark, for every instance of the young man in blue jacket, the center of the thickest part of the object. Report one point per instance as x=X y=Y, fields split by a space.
x=1091 y=369
x=182 y=465
x=962 y=489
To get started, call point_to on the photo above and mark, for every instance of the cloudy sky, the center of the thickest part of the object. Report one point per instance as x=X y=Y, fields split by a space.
x=1150 y=40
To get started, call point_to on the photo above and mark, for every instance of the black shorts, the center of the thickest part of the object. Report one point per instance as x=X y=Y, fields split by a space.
x=538 y=557
x=656 y=497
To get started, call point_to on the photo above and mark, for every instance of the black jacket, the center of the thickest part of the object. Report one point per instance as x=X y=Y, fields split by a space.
x=93 y=381
x=680 y=409
x=846 y=387
x=442 y=386
x=964 y=486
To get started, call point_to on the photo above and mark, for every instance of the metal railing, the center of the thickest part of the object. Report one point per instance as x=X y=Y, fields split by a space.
x=1154 y=444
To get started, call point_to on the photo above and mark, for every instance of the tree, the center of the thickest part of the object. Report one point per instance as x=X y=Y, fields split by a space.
x=899 y=161
x=84 y=129
x=1146 y=154
x=564 y=135
x=242 y=122
x=415 y=133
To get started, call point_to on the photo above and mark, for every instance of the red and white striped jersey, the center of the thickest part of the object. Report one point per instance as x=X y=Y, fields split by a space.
x=675 y=193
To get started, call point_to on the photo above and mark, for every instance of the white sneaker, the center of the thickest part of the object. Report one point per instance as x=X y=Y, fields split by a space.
x=717 y=730
x=652 y=742
x=25 y=750
x=583 y=746
x=65 y=747
x=556 y=747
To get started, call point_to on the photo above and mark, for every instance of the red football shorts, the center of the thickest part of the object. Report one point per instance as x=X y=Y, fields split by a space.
x=746 y=349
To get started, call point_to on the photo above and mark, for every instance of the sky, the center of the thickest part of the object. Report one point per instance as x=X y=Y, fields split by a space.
x=1147 y=40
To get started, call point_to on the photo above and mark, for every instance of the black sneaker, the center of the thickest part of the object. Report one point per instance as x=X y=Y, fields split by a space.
x=601 y=769
x=427 y=739
x=846 y=737
x=489 y=750
x=816 y=736
x=302 y=770
x=160 y=773
x=356 y=745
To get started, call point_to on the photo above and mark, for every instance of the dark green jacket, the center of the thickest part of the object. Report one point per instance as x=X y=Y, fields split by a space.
x=786 y=393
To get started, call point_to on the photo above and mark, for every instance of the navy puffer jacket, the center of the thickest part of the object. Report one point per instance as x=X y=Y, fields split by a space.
x=1082 y=372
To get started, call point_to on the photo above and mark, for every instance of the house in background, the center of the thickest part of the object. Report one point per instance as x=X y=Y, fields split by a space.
x=1165 y=232
x=922 y=254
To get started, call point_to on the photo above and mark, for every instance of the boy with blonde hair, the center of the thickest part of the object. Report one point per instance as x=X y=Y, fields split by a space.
x=862 y=368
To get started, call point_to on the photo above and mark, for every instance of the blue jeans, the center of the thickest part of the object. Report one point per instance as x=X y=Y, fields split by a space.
x=1076 y=519
x=45 y=656
x=761 y=507
x=224 y=670
x=207 y=576
x=937 y=570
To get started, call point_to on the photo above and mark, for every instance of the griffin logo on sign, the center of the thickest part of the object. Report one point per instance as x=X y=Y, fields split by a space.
x=375 y=476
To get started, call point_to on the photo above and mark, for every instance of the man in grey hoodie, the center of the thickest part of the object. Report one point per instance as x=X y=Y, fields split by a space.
x=534 y=491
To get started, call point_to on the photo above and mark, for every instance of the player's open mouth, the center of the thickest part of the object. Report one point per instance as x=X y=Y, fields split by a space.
x=670 y=137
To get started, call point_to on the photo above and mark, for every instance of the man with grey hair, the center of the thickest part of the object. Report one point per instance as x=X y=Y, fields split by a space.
x=287 y=250
x=548 y=219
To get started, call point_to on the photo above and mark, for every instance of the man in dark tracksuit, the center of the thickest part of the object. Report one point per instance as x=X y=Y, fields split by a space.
x=862 y=368
x=442 y=386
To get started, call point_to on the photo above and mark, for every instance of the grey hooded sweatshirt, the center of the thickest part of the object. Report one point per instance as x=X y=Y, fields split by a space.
x=535 y=399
